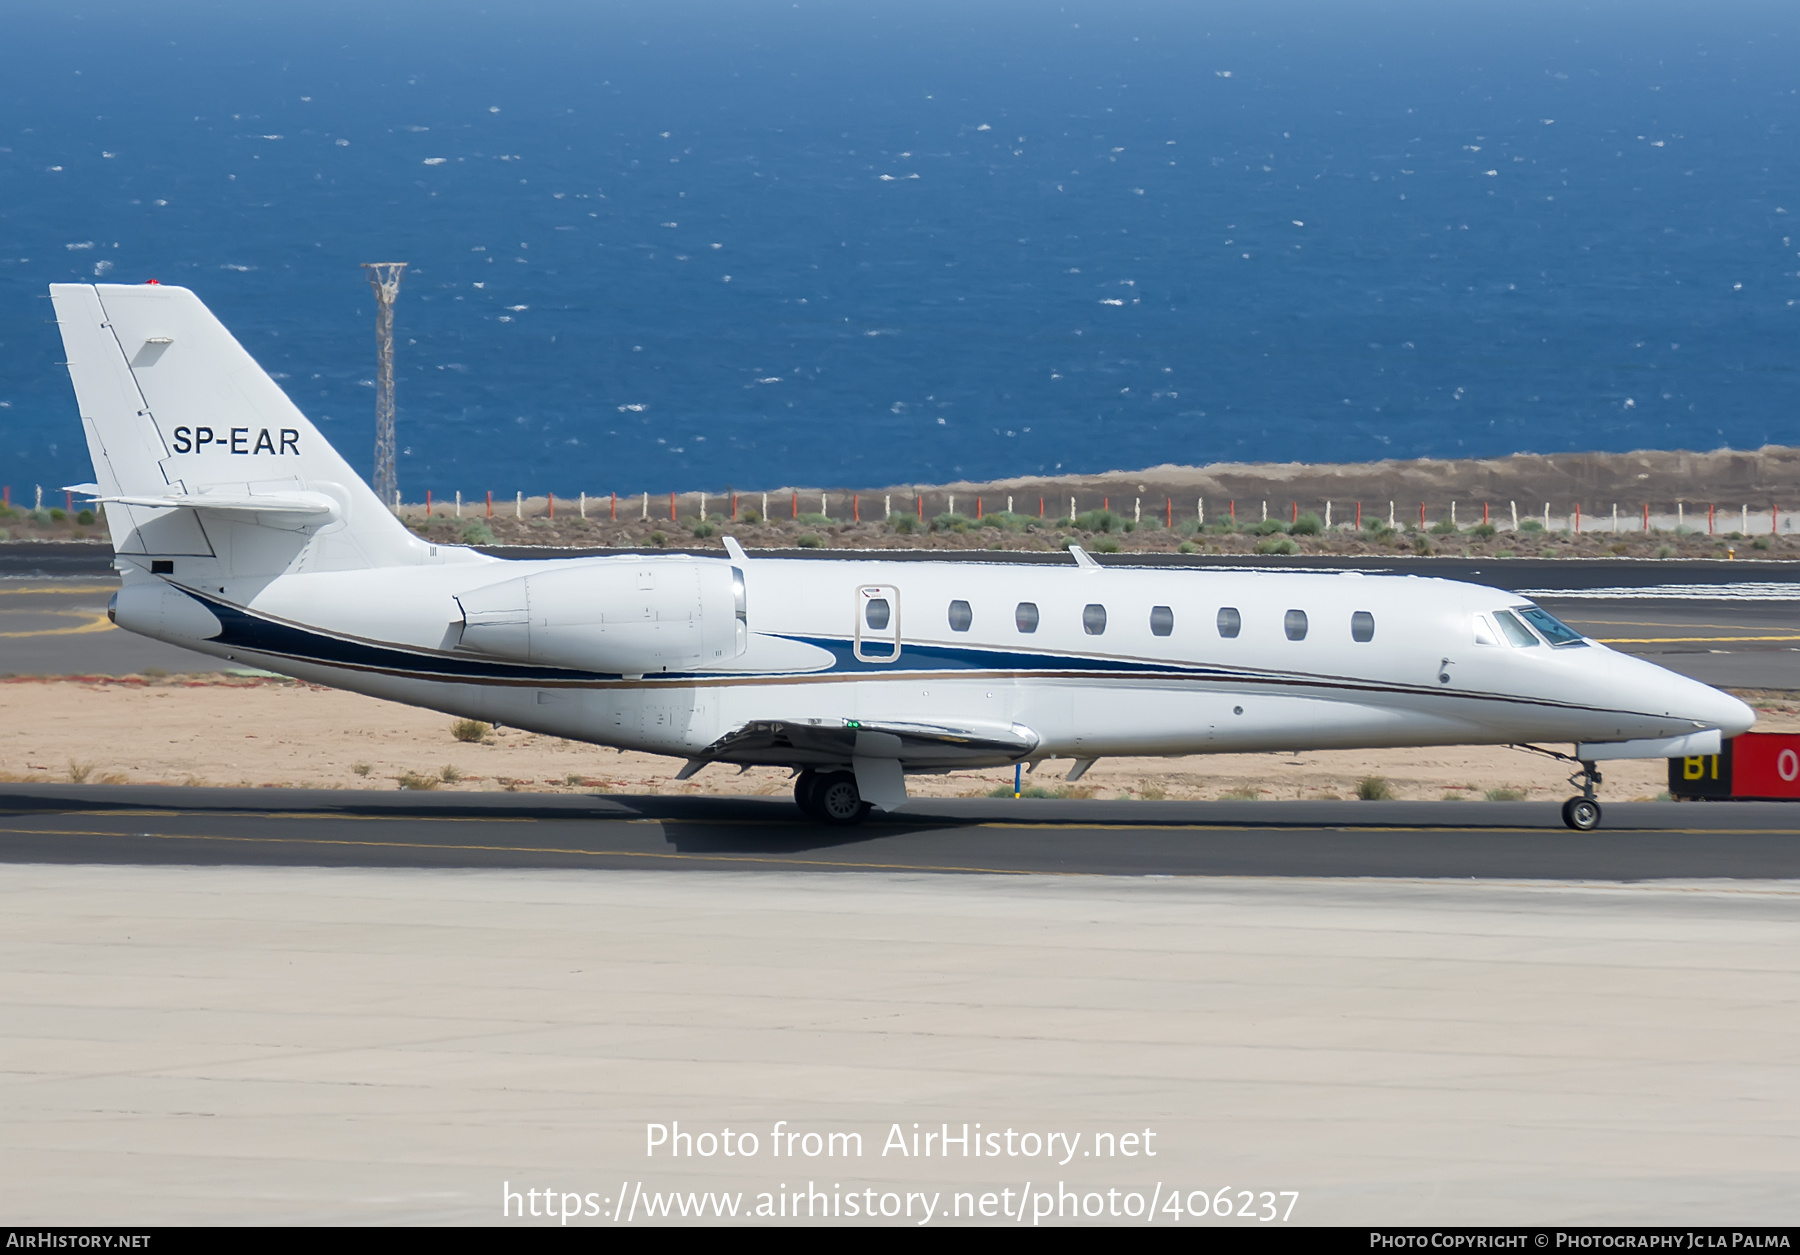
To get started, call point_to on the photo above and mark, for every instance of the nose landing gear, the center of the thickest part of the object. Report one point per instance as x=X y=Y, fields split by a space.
x=1583 y=813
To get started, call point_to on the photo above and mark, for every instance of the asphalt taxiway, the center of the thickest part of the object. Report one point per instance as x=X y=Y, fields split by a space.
x=104 y=824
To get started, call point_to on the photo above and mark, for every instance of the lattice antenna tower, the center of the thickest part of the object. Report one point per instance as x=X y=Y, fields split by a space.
x=384 y=277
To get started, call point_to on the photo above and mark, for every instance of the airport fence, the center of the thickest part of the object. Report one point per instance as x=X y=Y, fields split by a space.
x=1191 y=513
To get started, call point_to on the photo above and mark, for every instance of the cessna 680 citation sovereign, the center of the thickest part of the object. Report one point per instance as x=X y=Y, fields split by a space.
x=241 y=533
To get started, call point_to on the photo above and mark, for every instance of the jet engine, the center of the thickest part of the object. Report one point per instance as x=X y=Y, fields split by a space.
x=622 y=616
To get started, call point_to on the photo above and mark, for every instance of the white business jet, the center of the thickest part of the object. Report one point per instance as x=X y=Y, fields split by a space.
x=241 y=533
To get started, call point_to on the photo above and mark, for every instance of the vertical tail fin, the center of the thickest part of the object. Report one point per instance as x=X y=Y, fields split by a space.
x=176 y=411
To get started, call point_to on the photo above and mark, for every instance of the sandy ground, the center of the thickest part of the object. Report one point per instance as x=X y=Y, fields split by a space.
x=278 y=733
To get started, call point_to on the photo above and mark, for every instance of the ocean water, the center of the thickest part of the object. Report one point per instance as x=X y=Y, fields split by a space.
x=700 y=245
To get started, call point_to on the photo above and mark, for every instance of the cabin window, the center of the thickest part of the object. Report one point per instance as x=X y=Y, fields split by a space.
x=1294 y=622
x=1516 y=632
x=1550 y=627
x=1230 y=622
x=877 y=613
x=960 y=616
x=1093 y=619
x=1026 y=616
x=1362 y=626
x=1162 y=621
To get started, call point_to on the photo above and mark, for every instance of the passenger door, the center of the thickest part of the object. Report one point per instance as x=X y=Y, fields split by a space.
x=877 y=636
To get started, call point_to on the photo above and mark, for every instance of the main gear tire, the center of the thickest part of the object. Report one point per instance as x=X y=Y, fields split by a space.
x=837 y=800
x=806 y=794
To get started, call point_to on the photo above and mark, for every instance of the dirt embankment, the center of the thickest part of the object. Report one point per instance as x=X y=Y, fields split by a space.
x=1438 y=506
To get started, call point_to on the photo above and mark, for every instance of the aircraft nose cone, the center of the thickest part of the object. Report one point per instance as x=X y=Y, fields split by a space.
x=1728 y=714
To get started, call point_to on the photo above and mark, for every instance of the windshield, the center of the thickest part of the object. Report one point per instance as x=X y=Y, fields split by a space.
x=1552 y=628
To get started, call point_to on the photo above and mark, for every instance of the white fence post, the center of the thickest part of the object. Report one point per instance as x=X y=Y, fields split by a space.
x=584 y=505
x=887 y=506
x=1328 y=516
x=459 y=504
x=646 y=515
x=1515 y=510
x=703 y=507
x=1200 y=510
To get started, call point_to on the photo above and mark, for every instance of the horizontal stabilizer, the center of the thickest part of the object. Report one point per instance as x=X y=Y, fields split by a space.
x=308 y=503
x=86 y=490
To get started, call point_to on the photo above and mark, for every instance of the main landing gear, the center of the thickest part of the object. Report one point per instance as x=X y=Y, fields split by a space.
x=830 y=797
x=1583 y=813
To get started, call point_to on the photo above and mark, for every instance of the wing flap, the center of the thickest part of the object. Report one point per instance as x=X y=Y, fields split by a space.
x=915 y=745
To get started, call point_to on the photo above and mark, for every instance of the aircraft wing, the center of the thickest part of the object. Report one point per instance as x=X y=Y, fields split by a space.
x=920 y=746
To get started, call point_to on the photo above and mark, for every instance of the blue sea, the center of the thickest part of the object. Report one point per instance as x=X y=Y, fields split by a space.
x=681 y=244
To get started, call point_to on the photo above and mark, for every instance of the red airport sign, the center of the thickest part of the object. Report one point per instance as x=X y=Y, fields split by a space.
x=1755 y=765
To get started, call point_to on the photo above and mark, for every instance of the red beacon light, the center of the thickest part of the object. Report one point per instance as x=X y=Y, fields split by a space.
x=156 y=282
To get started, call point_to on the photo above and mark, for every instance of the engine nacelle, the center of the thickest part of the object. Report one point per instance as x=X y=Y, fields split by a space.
x=624 y=616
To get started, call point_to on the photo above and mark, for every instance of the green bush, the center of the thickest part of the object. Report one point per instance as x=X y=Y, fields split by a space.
x=1761 y=542
x=1186 y=546
x=1422 y=547
x=808 y=540
x=815 y=520
x=1268 y=527
x=1009 y=522
x=1099 y=521
x=58 y=514
x=1531 y=525
x=477 y=532
x=1374 y=789
x=658 y=539
x=1444 y=527
x=1483 y=530
x=1308 y=524
x=704 y=530
x=749 y=518
x=906 y=524
x=952 y=523
x=1277 y=544
x=1105 y=544
x=1665 y=551
x=85 y=518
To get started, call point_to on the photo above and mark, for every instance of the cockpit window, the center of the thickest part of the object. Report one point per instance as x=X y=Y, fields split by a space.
x=1516 y=632
x=1550 y=627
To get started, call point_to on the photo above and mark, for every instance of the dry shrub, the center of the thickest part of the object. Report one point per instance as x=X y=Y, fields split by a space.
x=471 y=731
